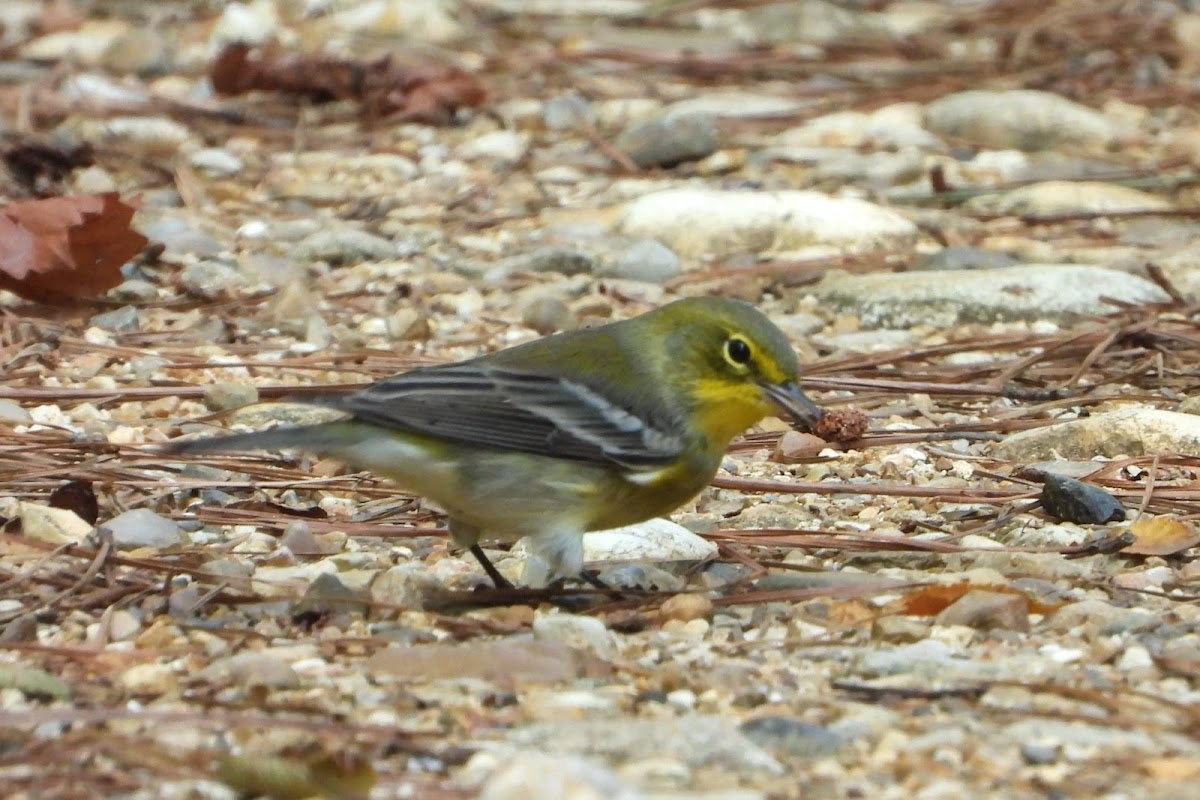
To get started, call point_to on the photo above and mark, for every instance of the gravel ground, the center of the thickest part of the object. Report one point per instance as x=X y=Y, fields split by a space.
x=974 y=221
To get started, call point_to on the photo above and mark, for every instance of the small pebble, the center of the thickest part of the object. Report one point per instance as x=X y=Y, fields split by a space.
x=210 y=280
x=685 y=607
x=141 y=527
x=669 y=140
x=547 y=315
x=119 y=319
x=227 y=395
x=1070 y=500
x=794 y=447
x=987 y=610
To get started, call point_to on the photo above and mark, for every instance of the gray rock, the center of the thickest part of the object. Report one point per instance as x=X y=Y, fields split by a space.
x=1039 y=753
x=1131 y=431
x=344 y=246
x=641 y=576
x=124 y=318
x=1055 y=292
x=1075 y=501
x=250 y=669
x=568 y=112
x=227 y=395
x=134 y=291
x=1058 y=466
x=180 y=236
x=1100 y=618
x=210 y=280
x=406 y=586
x=564 y=260
x=1182 y=653
x=791 y=736
x=578 y=632
x=14 y=413
x=260 y=415
x=790 y=579
x=987 y=610
x=928 y=658
x=235 y=572
x=695 y=740
x=645 y=260
x=141 y=527
x=958 y=257
x=1020 y=119
x=668 y=140
x=328 y=595
x=1047 y=731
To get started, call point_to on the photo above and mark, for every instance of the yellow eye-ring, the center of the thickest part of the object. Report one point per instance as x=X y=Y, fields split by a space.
x=737 y=350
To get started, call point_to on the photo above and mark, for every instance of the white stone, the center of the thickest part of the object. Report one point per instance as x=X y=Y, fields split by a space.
x=496 y=145
x=1023 y=119
x=1068 y=197
x=217 y=161
x=251 y=23
x=52 y=525
x=538 y=776
x=652 y=540
x=735 y=104
x=712 y=222
x=84 y=45
x=577 y=631
x=424 y=20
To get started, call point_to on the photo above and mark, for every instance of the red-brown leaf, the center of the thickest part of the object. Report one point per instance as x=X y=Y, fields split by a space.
x=63 y=249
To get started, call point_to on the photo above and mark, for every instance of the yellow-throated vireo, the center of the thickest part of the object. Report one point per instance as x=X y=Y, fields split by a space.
x=575 y=432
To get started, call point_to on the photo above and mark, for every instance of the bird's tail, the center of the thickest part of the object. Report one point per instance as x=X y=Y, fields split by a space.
x=325 y=438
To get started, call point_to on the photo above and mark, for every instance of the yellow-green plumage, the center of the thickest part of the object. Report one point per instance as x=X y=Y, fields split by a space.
x=575 y=432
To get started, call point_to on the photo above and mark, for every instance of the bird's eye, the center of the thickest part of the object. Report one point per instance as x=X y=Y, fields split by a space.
x=737 y=350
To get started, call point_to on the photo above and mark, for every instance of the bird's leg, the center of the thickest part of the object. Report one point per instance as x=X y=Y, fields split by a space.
x=592 y=578
x=498 y=580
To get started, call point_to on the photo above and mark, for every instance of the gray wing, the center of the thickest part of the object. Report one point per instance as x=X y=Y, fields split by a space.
x=494 y=406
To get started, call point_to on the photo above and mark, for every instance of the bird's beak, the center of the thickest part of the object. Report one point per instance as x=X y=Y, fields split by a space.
x=795 y=402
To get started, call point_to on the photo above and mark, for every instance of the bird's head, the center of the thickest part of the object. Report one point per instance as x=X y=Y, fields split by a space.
x=734 y=365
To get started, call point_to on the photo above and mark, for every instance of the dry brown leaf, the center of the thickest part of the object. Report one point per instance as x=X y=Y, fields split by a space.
x=39 y=165
x=63 y=249
x=78 y=497
x=1161 y=536
x=929 y=601
x=386 y=87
